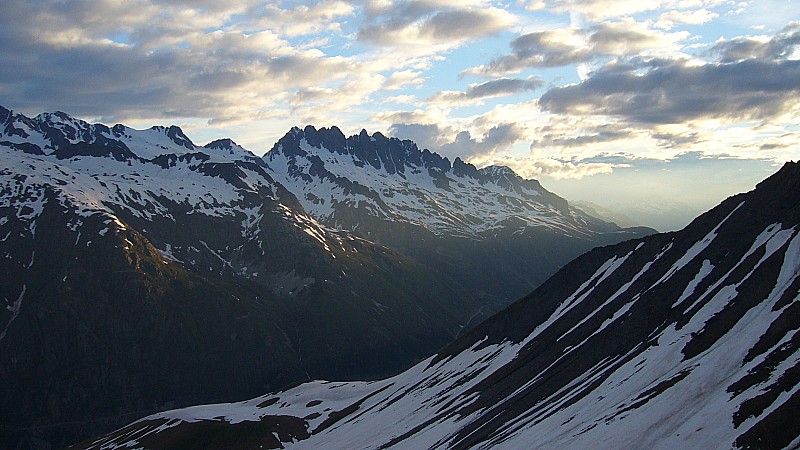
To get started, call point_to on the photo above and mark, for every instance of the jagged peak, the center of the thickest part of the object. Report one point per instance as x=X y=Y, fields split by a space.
x=176 y=135
x=48 y=116
x=9 y=115
x=392 y=154
x=60 y=117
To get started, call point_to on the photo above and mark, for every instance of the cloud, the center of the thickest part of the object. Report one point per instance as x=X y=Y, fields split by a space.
x=784 y=45
x=676 y=91
x=426 y=135
x=500 y=137
x=425 y=23
x=763 y=14
x=550 y=48
x=495 y=88
x=568 y=46
x=451 y=142
x=302 y=20
x=401 y=99
x=556 y=136
x=557 y=168
x=595 y=10
x=628 y=37
x=403 y=78
x=672 y=18
x=128 y=60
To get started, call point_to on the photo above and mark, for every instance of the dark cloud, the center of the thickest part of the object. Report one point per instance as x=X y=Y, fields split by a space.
x=430 y=22
x=626 y=37
x=554 y=136
x=424 y=135
x=779 y=47
x=539 y=49
x=678 y=140
x=463 y=144
x=67 y=58
x=503 y=86
x=674 y=91
x=381 y=32
x=456 y=24
x=498 y=138
x=568 y=46
x=494 y=88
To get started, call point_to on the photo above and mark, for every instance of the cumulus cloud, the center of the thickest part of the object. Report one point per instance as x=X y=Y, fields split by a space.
x=499 y=138
x=403 y=78
x=672 y=18
x=494 y=88
x=550 y=48
x=302 y=19
x=147 y=58
x=568 y=46
x=431 y=22
x=401 y=99
x=628 y=37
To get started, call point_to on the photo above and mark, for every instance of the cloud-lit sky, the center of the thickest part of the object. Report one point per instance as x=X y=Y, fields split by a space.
x=630 y=104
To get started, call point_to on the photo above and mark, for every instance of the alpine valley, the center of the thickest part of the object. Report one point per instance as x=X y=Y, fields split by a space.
x=140 y=272
x=688 y=339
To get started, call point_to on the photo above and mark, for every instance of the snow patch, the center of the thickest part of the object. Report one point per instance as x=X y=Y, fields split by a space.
x=14 y=308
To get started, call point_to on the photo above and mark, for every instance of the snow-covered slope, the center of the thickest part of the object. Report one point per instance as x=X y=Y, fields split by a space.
x=488 y=229
x=139 y=271
x=151 y=179
x=681 y=340
x=394 y=180
x=204 y=278
x=56 y=133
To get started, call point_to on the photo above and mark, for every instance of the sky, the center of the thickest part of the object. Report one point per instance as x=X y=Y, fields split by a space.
x=655 y=109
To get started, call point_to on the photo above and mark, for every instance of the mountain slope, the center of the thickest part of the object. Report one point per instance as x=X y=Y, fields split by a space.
x=680 y=340
x=139 y=271
x=475 y=226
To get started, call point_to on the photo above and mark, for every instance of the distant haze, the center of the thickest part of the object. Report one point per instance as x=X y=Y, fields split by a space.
x=665 y=195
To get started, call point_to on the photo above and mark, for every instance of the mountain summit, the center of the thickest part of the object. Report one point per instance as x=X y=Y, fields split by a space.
x=679 y=340
x=344 y=181
x=488 y=229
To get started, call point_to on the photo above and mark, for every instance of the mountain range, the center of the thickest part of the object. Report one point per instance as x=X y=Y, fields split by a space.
x=141 y=272
x=687 y=339
x=476 y=226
